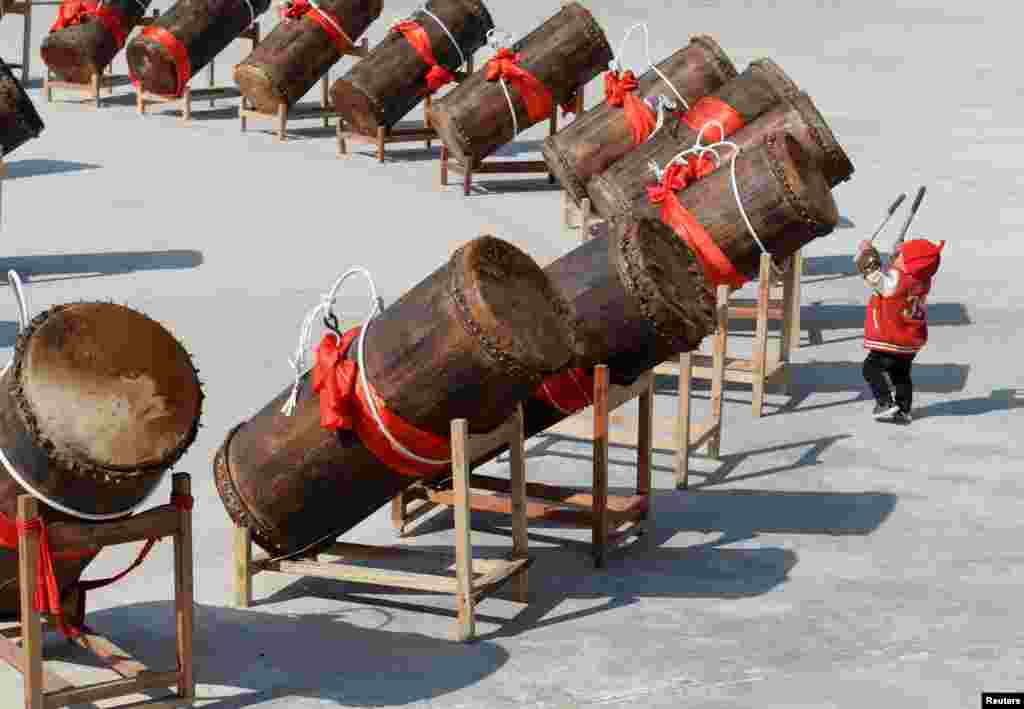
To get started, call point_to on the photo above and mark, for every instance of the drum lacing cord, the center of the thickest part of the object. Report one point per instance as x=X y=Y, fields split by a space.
x=700 y=150
x=325 y=309
x=661 y=103
x=423 y=8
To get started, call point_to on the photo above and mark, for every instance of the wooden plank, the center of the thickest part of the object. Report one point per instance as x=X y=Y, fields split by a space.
x=718 y=366
x=184 y=590
x=490 y=582
x=761 y=337
x=683 y=423
x=362 y=574
x=243 y=567
x=463 y=543
x=644 y=439
x=162 y=521
x=557 y=494
x=14 y=656
x=599 y=528
x=113 y=657
x=108 y=690
x=500 y=166
x=31 y=627
x=517 y=482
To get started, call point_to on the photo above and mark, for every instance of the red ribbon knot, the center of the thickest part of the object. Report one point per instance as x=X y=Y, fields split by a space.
x=437 y=75
x=77 y=12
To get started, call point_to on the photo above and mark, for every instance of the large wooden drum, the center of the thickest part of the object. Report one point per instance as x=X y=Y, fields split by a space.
x=602 y=135
x=302 y=48
x=542 y=71
x=97 y=404
x=168 y=53
x=383 y=88
x=19 y=120
x=88 y=35
x=470 y=341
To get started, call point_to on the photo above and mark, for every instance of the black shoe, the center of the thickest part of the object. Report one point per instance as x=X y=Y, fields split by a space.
x=884 y=411
x=902 y=417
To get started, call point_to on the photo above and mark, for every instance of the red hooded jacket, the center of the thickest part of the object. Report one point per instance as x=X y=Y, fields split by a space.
x=897 y=315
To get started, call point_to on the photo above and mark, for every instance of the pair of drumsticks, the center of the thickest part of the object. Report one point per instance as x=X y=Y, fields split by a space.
x=892 y=210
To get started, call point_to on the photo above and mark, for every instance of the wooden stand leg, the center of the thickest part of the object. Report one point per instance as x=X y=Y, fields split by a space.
x=792 y=314
x=585 y=210
x=467 y=181
x=340 y=133
x=426 y=115
x=186 y=114
x=26 y=43
x=184 y=590
x=95 y=86
x=47 y=89
x=243 y=106
x=140 y=101
x=210 y=83
x=553 y=129
x=463 y=549
x=517 y=465
x=764 y=284
x=243 y=567
x=718 y=369
x=599 y=511
x=644 y=441
x=282 y=121
x=381 y=135
x=325 y=101
x=444 y=165
x=31 y=625
x=682 y=471
x=399 y=507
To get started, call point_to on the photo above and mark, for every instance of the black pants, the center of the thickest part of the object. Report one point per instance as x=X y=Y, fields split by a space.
x=897 y=366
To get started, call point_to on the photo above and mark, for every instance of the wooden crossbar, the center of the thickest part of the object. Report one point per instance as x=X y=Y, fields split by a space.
x=45 y=689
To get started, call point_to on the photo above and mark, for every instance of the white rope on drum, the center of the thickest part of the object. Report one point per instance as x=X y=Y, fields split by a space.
x=662 y=102
x=444 y=28
x=701 y=150
x=300 y=363
x=496 y=40
x=19 y=295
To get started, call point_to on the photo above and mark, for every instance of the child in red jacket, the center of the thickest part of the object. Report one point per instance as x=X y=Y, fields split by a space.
x=896 y=326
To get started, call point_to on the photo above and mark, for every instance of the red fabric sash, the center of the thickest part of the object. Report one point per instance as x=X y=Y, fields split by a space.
x=718 y=269
x=538 y=100
x=344 y=406
x=297 y=9
x=74 y=12
x=47 y=596
x=711 y=108
x=437 y=76
x=619 y=92
x=568 y=391
x=179 y=54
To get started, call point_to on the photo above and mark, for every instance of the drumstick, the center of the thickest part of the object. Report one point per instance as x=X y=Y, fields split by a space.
x=910 y=217
x=888 y=215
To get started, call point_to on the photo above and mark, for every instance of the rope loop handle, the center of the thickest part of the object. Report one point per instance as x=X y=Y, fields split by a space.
x=616 y=63
x=301 y=368
x=700 y=149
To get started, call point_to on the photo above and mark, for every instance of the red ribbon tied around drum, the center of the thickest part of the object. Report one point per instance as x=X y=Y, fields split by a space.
x=344 y=406
x=75 y=12
x=717 y=267
x=619 y=92
x=539 y=102
x=568 y=391
x=438 y=75
x=297 y=9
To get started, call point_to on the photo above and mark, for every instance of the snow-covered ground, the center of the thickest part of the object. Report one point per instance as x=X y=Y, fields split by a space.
x=826 y=561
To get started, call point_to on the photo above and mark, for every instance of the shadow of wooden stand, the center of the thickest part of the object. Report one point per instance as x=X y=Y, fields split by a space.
x=300 y=111
x=612 y=519
x=473 y=578
x=414 y=132
x=45 y=689
x=493 y=166
x=211 y=93
x=763 y=369
x=94 y=87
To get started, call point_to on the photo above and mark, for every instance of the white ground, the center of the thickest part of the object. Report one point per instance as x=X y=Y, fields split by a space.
x=828 y=561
